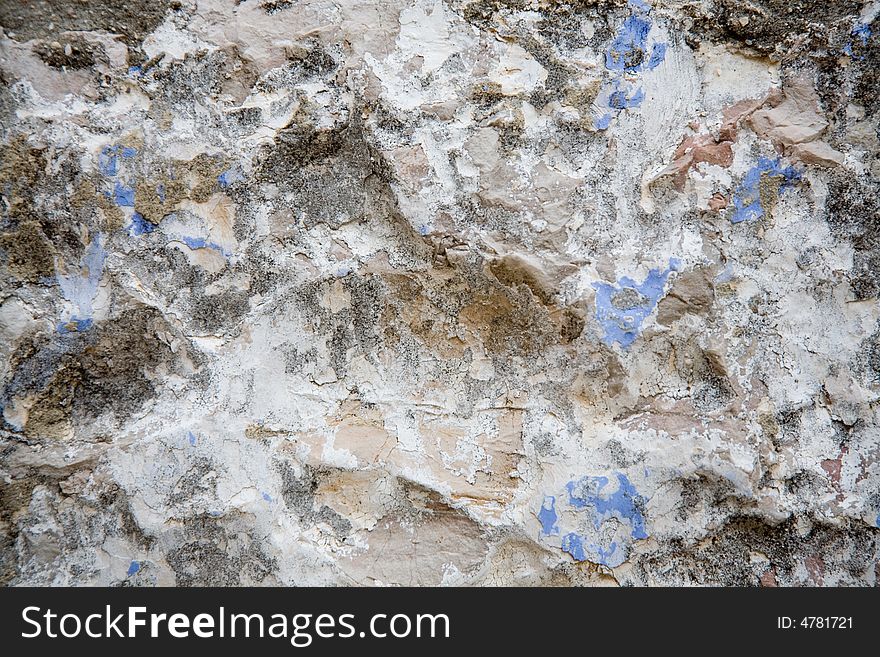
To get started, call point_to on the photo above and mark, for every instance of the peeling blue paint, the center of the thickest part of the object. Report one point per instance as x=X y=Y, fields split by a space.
x=191 y=438
x=195 y=242
x=108 y=158
x=658 y=55
x=609 y=557
x=619 y=99
x=601 y=516
x=574 y=545
x=626 y=52
x=123 y=195
x=80 y=285
x=202 y=243
x=623 y=503
x=226 y=178
x=108 y=161
x=622 y=308
x=581 y=550
x=267 y=497
x=863 y=31
x=747 y=197
x=628 y=56
x=133 y=568
x=74 y=325
x=139 y=225
x=229 y=177
x=548 y=517
x=725 y=275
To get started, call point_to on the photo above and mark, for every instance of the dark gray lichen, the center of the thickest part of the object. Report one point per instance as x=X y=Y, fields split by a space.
x=44 y=18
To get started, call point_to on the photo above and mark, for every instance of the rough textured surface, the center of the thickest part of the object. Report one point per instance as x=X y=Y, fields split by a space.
x=426 y=292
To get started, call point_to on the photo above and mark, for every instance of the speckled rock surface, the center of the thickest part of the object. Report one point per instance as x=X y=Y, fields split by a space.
x=420 y=292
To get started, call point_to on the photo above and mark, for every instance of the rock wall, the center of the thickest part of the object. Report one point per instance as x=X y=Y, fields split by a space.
x=440 y=292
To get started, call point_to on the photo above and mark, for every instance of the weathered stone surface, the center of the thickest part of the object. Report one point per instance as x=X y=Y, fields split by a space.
x=424 y=292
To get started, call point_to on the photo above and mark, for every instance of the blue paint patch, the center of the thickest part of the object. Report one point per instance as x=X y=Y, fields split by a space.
x=79 y=286
x=133 y=568
x=622 y=308
x=548 y=517
x=608 y=557
x=863 y=31
x=423 y=230
x=229 y=177
x=74 y=325
x=195 y=242
x=267 y=497
x=627 y=51
x=134 y=71
x=190 y=436
x=139 y=225
x=658 y=55
x=726 y=275
x=581 y=550
x=123 y=195
x=215 y=514
x=604 y=517
x=747 y=197
x=628 y=55
x=108 y=161
x=574 y=545
x=619 y=99
x=108 y=158
x=202 y=243
x=603 y=122
x=622 y=504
